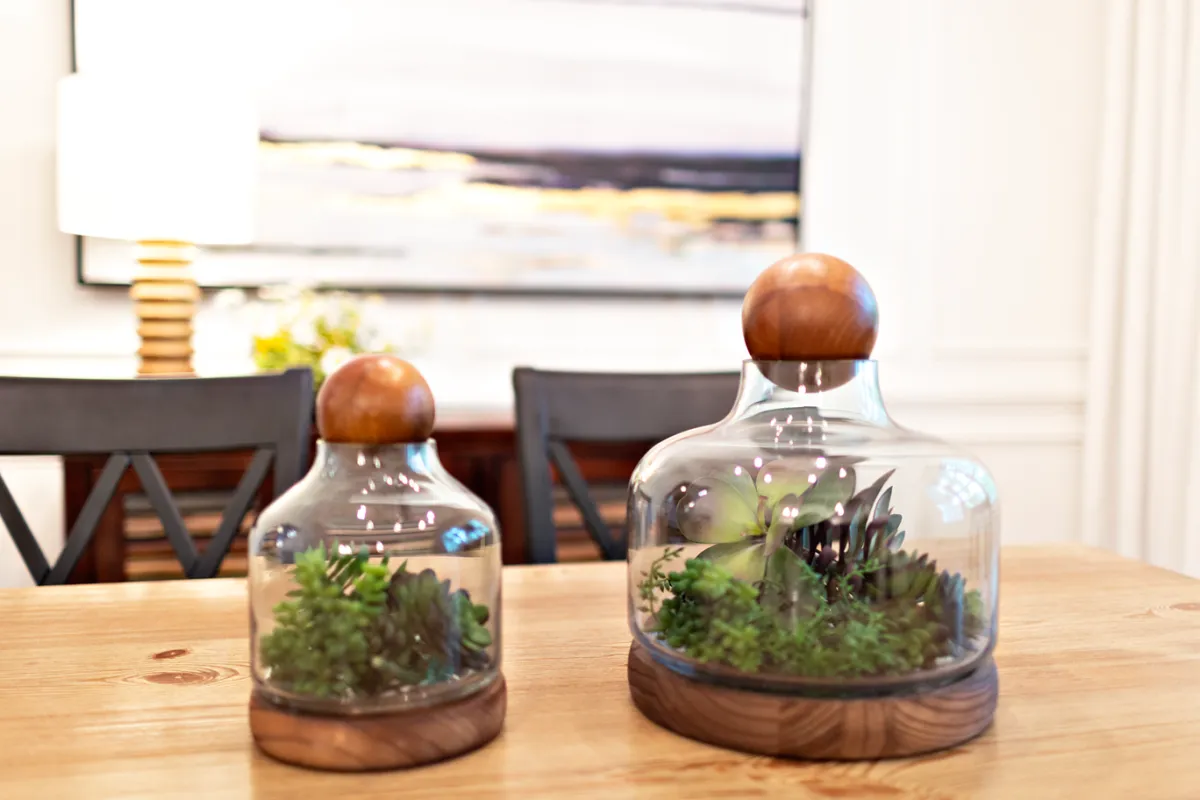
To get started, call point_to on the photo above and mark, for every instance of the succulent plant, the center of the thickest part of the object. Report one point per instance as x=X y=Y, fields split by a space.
x=807 y=571
x=441 y=630
x=355 y=629
x=716 y=618
x=809 y=507
x=747 y=516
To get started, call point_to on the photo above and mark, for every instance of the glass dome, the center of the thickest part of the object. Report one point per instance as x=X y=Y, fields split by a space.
x=374 y=585
x=807 y=543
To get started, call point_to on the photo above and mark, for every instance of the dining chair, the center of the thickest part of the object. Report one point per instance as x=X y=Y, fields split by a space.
x=555 y=408
x=131 y=421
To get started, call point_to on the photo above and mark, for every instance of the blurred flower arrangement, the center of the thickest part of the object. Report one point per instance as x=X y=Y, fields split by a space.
x=309 y=328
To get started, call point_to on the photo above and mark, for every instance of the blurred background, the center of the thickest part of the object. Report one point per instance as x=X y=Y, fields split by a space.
x=587 y=185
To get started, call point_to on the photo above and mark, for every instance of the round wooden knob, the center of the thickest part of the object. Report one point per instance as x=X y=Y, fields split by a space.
x=810 y=307
x=375 y=399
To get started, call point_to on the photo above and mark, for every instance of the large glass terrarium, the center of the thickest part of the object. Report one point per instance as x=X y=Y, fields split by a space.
x=375 y=587
x=808 y=550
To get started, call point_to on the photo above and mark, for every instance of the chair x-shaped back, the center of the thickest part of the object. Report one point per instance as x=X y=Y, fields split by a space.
x=554 y=408
x=130 y=421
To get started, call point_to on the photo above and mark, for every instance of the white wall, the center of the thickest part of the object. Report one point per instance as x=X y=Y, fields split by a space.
x=952 y=158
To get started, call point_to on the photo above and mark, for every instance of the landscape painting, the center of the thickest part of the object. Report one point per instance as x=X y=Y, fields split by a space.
x=517 y=146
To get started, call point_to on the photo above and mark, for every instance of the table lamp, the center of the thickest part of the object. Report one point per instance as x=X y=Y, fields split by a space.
x=167 y=165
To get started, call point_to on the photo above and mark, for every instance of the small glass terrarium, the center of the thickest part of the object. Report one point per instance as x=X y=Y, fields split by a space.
x=809 y=559
x=375 y=587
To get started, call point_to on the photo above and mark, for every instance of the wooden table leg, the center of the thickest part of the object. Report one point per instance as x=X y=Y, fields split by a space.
x=510 y=511
x=104 y=559
x=77 y=485
x=108 y=545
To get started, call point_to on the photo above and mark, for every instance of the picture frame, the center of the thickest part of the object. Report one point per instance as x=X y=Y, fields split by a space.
x=662 y=155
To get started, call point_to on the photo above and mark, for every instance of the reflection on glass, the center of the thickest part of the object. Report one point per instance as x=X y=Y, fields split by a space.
x=808 y=542
x=375 y=585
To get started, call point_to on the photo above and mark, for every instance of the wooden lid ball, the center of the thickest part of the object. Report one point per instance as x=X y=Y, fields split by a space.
x=810 y=307
x=375 y=399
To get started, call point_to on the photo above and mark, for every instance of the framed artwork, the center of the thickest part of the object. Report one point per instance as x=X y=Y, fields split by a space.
x=614 y=147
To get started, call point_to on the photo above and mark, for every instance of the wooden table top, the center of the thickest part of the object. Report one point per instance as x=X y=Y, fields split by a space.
x=140 y=691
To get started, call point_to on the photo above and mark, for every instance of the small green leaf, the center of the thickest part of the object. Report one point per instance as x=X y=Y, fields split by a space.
x=718 y=509
x=812 y=513
x=822 y=487
x=834 y=487
x=783 y=521
x=743 y=559
x=782 y=477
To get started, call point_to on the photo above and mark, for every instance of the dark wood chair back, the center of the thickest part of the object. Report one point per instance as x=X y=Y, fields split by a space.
x=131 y=421
x=556 y=408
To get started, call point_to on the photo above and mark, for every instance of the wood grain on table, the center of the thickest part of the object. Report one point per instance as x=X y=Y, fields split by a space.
x=140 y=691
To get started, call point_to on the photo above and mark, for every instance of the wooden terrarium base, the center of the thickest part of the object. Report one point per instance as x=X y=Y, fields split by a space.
x=811 y=727
x=379 y=741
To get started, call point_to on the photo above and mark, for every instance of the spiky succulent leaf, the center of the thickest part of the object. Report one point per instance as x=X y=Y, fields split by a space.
x=882 y=536
x=718 y=508
x=826 y=497
x=858 y=510
x=884 y=506
x=902 y=577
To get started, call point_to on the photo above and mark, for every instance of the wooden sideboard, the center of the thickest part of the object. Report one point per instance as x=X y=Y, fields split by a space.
x=479 y=449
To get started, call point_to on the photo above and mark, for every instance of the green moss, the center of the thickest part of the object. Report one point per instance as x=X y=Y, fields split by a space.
x=798 y=621
x=354 y=629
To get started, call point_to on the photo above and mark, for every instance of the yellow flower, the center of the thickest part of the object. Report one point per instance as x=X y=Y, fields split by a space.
x=319 y=331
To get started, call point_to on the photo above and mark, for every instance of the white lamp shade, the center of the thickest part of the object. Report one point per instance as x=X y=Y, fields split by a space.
x=156 y=160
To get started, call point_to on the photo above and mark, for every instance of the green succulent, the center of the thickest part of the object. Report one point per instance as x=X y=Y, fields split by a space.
x=441 y=631
x=716 y=618
x=354 y=629
x=319 y=645
x=805 y=576
x=748 y=517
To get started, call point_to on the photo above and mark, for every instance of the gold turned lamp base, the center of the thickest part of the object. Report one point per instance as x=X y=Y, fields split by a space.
x=165 y=295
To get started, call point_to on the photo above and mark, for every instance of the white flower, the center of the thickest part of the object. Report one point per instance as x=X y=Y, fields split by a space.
x=262 y=319
x=284 y=293
x=373 y=342
x=334 y=357
x=304 y=329
x=275 y=293
x=229 y=299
